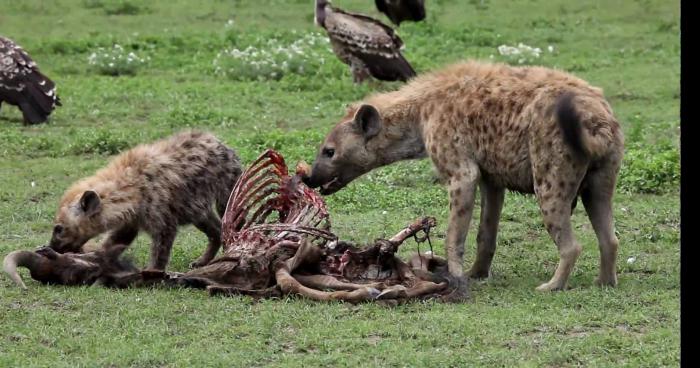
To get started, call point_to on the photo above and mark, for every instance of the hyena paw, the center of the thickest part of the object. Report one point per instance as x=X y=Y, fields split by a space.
x=459 y=290
x=478 y=274
x=551 y=286
x=606 y=281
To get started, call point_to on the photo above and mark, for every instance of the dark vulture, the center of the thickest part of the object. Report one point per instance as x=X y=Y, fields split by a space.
x=23 y=85
x=367 y=45
x=401 y=10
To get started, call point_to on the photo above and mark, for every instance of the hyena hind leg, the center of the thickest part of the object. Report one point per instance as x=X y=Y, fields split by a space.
x=211 y=226
x=597 y=197
x=555 y=192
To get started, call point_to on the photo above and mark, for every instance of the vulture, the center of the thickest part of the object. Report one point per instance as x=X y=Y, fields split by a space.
x=23 y=85
x=401 y=10
x=367 y=45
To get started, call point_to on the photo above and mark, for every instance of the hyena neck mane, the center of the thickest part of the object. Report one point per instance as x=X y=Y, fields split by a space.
x=401 y=136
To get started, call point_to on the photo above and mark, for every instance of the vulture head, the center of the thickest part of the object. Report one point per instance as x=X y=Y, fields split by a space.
x=320 y=12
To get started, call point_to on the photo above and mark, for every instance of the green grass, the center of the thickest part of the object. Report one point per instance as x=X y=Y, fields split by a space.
x=629 y=48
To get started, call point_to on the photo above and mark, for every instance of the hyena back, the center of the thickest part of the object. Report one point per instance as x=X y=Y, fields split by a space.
x=155 y=188
x=526 y=129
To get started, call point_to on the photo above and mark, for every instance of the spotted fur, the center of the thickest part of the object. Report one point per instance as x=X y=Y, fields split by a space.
x=526 y=129
x=156 y=188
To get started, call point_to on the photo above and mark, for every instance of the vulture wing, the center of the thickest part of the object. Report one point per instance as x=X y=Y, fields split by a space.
x=22 y=84
x=370 y=40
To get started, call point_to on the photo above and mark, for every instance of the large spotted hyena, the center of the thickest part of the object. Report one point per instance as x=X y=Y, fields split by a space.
x=152 y=187
x=526 y=129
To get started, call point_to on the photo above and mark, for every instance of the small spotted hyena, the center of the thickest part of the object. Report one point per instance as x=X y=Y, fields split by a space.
x=526 y=129
x=155 y=188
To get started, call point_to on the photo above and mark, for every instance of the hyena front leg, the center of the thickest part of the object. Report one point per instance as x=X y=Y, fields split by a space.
x=211 y=226
x=122 y=236
x=491 y=205
x=462 y=187
x=161 y=247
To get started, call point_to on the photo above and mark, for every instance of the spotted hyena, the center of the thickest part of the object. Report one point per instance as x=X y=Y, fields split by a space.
x=526 y=129
x=155 y=188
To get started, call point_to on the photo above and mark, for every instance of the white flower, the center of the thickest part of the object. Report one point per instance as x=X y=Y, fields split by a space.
x=522 y=51
x=631 y=260
x=550 y=48
x=273 y=59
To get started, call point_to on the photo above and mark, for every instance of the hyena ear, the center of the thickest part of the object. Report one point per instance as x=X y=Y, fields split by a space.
x=90 y=203
x=368 y=121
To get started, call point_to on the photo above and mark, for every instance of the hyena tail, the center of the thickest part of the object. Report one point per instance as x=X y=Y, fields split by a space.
x=590 y=134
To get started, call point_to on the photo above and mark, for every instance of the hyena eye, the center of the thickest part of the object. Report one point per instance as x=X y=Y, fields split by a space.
x=328 y=152
x=58 y=229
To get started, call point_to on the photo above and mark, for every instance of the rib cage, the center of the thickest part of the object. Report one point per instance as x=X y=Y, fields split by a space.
x=266 y=189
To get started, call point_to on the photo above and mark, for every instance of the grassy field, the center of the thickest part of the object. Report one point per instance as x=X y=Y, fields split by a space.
x=190 y=79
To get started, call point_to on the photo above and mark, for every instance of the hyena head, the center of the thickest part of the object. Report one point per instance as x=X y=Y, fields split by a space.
x=77 y=221
x=344 y=154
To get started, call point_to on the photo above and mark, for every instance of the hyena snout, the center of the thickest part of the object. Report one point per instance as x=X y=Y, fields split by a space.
x=324 y=176
x=332 y=177
x=65 y=246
